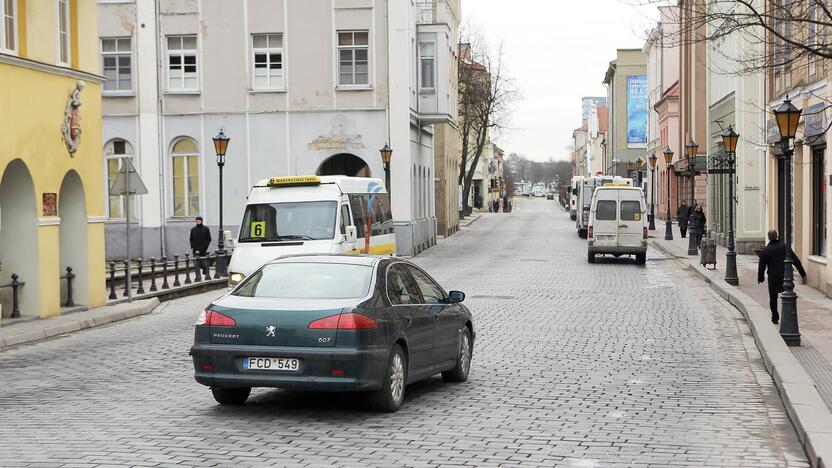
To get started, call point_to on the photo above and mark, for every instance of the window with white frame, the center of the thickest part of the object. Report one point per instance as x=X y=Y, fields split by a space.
x=267 y=61
x=353 y=58
x=185 y=159
x=427 y=66
x=8 y=25
x=182 y=66
x=116 y=64
x=116 y=151
x=63 y=32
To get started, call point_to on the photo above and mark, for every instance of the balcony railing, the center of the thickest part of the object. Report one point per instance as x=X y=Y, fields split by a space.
x=434 y=12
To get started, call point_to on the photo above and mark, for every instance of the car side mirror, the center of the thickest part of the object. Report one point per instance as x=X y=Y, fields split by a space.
x=455 y=297
x=352 y=234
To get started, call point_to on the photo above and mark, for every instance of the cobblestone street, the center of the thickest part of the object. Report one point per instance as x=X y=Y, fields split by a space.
x=611 y=364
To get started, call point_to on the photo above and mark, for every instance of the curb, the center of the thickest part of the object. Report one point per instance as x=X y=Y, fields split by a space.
x=810 y=416
x=474 y=218
x=116 y=313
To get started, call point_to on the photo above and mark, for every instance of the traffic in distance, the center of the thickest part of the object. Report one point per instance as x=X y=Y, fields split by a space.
x=319 y=302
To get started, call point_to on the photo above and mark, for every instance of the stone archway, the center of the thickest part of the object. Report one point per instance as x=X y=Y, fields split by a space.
x=19 y=238
x=73 y=234
x=344 y=164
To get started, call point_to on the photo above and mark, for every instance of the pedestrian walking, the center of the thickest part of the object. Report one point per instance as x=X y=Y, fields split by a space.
x=772 y=258
x=697 y=224
x=682 y=217
x=200 y=242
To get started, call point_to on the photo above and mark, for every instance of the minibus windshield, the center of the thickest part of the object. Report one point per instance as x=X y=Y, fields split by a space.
x=271 y=222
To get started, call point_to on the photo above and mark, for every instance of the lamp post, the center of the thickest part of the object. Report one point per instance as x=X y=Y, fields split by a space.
x=788 y=116
x=691 y=150
x=653 y=160
x=386 y=155
x=220 y=146
x=729 y=141
x=668 y=225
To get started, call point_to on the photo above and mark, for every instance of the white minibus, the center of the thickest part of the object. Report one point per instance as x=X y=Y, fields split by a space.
x=312 y=214
x=617 y=224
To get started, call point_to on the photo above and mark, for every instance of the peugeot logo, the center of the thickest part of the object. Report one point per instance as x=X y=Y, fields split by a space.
x=270 y=330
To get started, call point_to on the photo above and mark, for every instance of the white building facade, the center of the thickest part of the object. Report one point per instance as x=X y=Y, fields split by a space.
x=312 y=87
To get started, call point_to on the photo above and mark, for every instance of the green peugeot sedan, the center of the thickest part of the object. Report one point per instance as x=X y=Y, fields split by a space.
x=333 y=323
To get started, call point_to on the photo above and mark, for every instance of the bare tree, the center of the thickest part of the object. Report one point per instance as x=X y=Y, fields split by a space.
x=486 y=93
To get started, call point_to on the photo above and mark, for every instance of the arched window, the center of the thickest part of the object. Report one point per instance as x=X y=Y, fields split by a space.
x=185 y=159
x=115 y=151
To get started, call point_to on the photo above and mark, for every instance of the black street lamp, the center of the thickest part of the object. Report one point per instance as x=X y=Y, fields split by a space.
x=386 y=155
x=220 y=146
x=668 y=225
x=692 y=149
x=729 y=141
x=788 y=116
x=653 y=160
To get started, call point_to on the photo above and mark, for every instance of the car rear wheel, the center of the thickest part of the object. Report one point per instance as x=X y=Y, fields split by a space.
x=641 y=258
x=390 y=396
x=231 y=396
x=463 y=359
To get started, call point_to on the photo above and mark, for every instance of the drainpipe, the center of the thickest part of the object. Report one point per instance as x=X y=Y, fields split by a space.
x=159 y=107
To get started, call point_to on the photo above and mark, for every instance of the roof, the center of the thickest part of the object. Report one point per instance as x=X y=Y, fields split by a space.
x=344 y=259
x=346 y=184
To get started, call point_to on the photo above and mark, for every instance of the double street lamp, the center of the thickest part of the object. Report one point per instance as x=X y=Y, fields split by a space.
x=691 y=151
x=220 y=146
x=668 y=225
x=653 y=160
x=729 y=141
x=788 y=117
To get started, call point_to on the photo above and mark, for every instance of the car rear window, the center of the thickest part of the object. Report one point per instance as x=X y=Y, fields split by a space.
x=308 y=281
x=630 y=211
x=605 y=210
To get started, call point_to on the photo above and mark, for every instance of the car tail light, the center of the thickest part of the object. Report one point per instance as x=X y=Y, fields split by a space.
x=644 y=232
x=589 y=232
x=350 y=321
x=212 y=318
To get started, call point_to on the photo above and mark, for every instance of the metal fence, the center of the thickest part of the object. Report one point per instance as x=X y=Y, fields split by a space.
x=151 y=276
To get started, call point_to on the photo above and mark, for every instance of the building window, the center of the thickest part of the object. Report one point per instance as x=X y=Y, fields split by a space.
x=182 y=68
x=8 y=25
x=427 y=66
x=267 y=58
x=63 y=32
x=185 y=158
x=818 y=202
x=116 y=64
x=115 y=152
x=353 y=58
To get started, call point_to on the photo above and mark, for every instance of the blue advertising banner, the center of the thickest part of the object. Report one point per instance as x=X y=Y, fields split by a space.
x=637 y=110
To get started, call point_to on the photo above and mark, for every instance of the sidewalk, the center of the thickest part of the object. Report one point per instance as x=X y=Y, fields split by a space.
x=802 y=374
x=39 y=329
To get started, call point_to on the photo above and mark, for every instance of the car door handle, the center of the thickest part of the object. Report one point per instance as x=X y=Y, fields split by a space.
x=409 y=320
x=622 y=226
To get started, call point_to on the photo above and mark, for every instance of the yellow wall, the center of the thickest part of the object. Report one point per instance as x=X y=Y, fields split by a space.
x=35 y=102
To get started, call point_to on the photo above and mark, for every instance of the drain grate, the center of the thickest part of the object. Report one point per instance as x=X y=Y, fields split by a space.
x=486 y=296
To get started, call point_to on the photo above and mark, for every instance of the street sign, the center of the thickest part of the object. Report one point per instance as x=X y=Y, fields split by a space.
x=122 y=184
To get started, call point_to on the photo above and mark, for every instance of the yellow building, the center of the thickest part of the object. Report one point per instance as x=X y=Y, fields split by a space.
x=52 y=187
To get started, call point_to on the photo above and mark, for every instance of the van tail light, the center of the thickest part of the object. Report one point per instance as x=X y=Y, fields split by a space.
x=350 y=321
x=644 y=233
x=212 y=318
x=589 y=232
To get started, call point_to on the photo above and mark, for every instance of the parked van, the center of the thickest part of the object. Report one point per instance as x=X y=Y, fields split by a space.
x=573 y=197
x=586 y=187
x=311 y=214
x=617 y=224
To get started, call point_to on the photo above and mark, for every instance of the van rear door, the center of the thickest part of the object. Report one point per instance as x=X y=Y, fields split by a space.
x=631 y=218
x=605 y=222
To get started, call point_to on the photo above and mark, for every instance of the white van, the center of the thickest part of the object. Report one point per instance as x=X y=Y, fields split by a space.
x=573 y=197
x=617 y=224
x=311 y=214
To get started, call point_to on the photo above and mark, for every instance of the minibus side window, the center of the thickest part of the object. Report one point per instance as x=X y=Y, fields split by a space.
x=384 y=199
x=358 y=203
x=345 y=218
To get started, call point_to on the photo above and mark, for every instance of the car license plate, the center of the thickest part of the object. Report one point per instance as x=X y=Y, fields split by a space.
x=604 y=237
x=277 y=364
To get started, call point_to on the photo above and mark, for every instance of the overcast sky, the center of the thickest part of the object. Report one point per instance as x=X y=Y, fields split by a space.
x=558 y=51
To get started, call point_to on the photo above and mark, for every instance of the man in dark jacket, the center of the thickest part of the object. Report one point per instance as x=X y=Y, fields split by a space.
x=682 y=216
x=772 y=258
x=200 y=242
